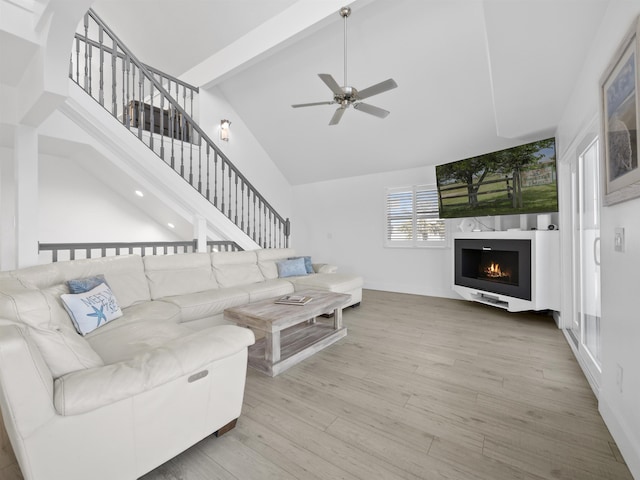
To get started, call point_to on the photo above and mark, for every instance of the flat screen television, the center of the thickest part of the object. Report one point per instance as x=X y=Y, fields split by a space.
x=513 y=181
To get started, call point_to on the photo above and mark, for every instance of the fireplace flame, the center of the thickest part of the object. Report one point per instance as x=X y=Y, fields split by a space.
x=494 y=271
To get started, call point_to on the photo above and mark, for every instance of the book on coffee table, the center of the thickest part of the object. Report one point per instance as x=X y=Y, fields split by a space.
x=293 y=300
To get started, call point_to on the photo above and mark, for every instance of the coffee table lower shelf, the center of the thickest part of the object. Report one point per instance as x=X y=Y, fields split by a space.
x=296 y=344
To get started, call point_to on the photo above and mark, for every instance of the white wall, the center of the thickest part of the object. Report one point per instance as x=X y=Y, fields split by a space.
x=620 y=325
x=342 y=222
x=244 y=150
x=75 y=206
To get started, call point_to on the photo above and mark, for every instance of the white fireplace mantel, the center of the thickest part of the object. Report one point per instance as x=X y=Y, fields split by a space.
x=545 y=271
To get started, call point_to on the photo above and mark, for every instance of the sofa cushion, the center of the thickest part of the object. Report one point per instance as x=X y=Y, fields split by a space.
x=333 y=282
x=153 y=314
x=236 y=268
x=92 y=309
x=179 y=274
x=267 y=289
x=156 y=310
x=291 y=267
x=267 y=258
x=78 y=393
x=134 y=338
x=206 y=304
x=124 y=274
x=42 y=315
x=324 y=268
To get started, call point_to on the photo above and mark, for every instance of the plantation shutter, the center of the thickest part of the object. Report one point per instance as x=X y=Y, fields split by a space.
x=400 y=216
x=412 y=217
x=429 y=227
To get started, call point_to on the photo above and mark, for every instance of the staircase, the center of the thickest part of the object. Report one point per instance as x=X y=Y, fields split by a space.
x=159 y=110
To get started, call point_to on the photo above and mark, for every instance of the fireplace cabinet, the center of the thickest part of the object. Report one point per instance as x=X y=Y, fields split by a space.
x=514 y=270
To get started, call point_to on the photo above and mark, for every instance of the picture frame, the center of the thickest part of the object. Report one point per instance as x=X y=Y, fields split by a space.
x=620 y=120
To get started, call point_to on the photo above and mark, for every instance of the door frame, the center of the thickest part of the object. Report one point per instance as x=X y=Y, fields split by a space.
x=588 y=136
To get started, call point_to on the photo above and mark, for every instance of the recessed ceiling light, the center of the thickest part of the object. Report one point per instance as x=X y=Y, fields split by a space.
x=139 y=193
x=171 y=225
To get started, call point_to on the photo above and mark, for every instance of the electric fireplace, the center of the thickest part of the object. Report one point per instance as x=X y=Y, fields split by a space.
x=517 y=270
x=501 y=266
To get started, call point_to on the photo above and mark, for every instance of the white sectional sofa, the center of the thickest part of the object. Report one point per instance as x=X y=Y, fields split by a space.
x=136 y=391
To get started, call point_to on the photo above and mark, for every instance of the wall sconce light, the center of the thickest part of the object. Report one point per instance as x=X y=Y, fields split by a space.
x=224 y=130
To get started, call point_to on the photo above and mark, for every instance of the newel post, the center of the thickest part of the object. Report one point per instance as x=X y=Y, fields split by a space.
x=287 y=232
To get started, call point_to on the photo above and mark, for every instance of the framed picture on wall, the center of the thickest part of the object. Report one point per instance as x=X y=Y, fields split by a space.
x=620 y=89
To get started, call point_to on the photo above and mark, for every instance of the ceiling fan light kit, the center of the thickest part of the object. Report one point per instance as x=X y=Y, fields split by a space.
x=346 y=96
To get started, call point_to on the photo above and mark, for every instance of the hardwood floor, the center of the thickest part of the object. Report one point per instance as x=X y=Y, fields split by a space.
x=421 y=388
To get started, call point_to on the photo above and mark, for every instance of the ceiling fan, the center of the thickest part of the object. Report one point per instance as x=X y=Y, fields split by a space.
x=346 y=96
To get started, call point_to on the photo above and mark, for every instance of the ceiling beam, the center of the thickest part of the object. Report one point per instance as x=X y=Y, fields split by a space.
x=299 y=20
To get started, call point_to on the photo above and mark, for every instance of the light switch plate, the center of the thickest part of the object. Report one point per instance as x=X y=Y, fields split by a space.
x=618 y=239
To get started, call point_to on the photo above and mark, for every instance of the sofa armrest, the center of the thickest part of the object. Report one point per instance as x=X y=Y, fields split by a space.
x=86 y=390
x=324 y=268
x=26 y=383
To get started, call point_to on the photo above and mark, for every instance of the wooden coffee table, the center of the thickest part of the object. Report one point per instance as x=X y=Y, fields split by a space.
x=291 y=332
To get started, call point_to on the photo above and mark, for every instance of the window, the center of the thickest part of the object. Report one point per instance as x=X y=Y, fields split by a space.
x=412 y=218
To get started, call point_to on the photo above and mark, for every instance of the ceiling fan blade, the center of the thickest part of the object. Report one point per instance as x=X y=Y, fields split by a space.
x=331 y=83
x=377 y=88
x=366 y=108
x=337 y=116
x=298 y=105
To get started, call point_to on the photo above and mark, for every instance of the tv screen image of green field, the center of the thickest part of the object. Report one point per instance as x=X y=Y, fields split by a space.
x=513 y=181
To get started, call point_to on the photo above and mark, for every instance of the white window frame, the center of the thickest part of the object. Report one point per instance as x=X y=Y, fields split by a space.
x=414 y=242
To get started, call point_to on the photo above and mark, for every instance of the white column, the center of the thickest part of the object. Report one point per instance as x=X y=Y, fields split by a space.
x=200 y=232
x=25 y=163
x=7 y=212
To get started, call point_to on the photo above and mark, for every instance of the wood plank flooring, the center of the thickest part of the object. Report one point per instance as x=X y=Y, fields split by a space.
x=421 y=388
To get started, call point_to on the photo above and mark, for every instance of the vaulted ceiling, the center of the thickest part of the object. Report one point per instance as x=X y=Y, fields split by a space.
x=473 y=76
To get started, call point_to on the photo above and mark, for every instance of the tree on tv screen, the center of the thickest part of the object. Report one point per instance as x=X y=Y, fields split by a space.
x=476 y=171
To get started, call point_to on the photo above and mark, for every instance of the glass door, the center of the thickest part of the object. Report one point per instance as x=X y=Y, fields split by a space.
x=585 y=328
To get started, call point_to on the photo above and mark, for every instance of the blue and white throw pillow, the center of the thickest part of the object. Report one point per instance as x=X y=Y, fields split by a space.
x=81 y=285
x=92 y=309
x=291 y=268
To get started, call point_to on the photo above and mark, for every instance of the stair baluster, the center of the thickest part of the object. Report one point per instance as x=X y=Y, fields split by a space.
x=101 y=88
x=160 y=108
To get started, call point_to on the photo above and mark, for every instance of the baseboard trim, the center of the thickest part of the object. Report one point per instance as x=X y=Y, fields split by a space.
x=593 y=383
x=628 y=444
x=411 y=290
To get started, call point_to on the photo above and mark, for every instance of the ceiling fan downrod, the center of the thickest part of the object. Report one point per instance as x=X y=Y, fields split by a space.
x=344 y=13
